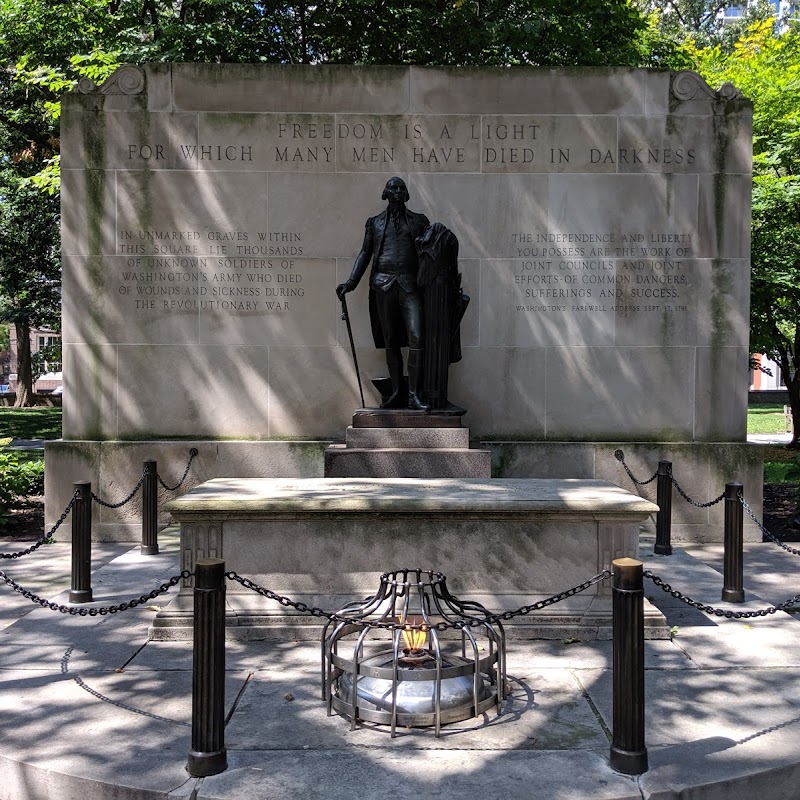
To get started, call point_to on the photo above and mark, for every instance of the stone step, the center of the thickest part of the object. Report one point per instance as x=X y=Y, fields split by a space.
x=396 y=462
x=414 y=438
x=406 y=418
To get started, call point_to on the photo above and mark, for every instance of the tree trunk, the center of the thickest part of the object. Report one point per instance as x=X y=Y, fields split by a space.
x=794 y=402
x=24 y=371
x=791 y=379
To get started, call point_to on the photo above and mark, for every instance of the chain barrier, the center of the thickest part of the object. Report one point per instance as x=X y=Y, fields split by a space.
x=721 y=612
x=94 y=612
x=47 y=538
x=689 y=499
x=192 y=454
x=620 y=456
x=774 y=539
x=121 y=503
x=473 y=622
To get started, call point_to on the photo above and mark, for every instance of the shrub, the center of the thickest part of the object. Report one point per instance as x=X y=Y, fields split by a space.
x=19 y=478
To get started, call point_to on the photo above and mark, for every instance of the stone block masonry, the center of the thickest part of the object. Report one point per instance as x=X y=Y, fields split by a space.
x=209 y=211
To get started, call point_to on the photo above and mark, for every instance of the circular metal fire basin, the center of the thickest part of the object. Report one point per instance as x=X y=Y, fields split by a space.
x=416 y=698
x=402 y=687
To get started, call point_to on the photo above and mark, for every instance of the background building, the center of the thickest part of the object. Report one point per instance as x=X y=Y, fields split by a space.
x=41 y=339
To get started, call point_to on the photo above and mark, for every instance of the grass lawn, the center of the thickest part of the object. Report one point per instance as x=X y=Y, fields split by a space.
x=765 y=419
x=777 y=460
x=30 y=423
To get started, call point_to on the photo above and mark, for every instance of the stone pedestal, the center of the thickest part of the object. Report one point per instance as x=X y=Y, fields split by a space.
x=325 y=542
x=398 y=443
x=114 y=467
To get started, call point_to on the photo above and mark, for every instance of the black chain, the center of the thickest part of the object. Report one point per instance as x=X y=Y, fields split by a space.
x=47 y=538
x=721 y=612
x=471 y=622
x=766 y=533
x=121 y=503
x=192 y=454
x=689 y=499
x=94 y=612
x=620 y=456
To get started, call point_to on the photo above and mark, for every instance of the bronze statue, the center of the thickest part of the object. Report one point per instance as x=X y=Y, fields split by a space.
x=395 y=299
x=415 y=300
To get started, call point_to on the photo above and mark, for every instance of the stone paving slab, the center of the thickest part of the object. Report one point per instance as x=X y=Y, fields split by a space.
x=707 y=704
x=485 y=774
x=93 y=710
x=544 y=710
x=46 y=571
x=56 y=728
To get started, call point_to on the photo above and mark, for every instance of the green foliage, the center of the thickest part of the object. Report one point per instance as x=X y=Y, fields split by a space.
x=19 y=478
x=30 y=268
x=492 y=32
x=791 y=472
x=448 y=32
x=775 y=471
x=698 y=21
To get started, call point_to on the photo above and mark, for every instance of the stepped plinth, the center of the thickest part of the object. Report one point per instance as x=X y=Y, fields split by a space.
x=400 y=443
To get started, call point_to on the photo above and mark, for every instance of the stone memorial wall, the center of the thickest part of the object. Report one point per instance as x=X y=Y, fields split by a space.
x=209 y=211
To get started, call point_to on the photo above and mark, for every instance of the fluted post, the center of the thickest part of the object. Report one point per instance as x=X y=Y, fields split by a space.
x=733 y=580
x=628 y=751
x=81 y=589
x=664 y=517
x=149 y=545
x=208 y=755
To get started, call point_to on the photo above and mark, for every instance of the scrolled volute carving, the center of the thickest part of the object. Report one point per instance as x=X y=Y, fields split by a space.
x=126 y=80
x=688 y=85
x=729 y=92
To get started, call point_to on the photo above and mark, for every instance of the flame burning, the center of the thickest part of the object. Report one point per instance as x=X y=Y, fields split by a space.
x=414 y=635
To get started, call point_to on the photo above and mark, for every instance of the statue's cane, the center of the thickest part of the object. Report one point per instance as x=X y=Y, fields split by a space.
x=346 y=318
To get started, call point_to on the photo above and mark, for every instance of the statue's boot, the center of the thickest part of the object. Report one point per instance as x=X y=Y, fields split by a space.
x=394 y=361
x=414 y=371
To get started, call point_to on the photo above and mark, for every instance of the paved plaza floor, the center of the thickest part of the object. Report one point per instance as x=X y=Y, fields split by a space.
x=92 y=709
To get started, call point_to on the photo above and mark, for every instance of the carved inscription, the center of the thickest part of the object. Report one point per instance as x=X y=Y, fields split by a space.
x=602 y=271
x=235 y=271
x=249 y=270
x=425 y=143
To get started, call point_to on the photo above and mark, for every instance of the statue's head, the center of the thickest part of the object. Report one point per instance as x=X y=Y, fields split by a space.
x=395 y=191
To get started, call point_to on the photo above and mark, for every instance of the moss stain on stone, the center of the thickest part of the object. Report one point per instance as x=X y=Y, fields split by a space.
x=503 y=459
x=95 y=178
x=724 y=125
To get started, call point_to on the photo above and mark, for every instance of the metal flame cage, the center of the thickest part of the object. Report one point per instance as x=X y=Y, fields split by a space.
x=460 y=674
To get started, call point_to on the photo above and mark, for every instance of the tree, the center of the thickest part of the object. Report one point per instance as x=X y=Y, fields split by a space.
x=701 y=21
x=447 y=32
x=29 y=268
x=766 y=67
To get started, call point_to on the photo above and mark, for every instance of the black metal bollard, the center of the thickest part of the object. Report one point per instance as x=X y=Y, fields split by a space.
x=628 y=751
x=150 y=509
x=733 y=581
x=664 y=517
x=81 y=590
x=208 y=755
